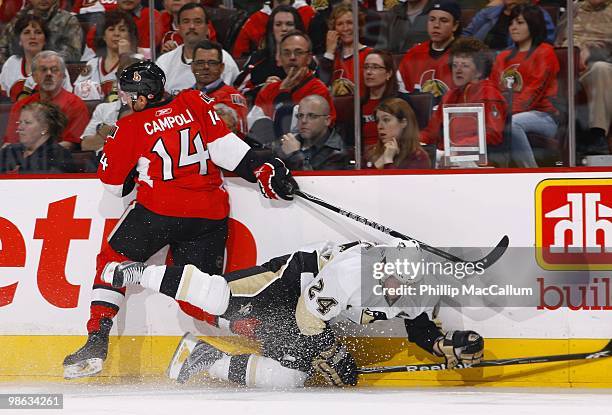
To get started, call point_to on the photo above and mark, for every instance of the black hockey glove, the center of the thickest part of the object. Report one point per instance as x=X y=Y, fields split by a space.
x=337 y=366
x=275 y=180
x=460 y=347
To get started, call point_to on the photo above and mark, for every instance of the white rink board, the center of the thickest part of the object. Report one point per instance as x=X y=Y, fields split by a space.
x=442 y=210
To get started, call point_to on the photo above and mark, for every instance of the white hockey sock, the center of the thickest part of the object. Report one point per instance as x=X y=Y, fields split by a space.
x=152 y=277
x=220 y=369
x=209 y=292
x=257 y=371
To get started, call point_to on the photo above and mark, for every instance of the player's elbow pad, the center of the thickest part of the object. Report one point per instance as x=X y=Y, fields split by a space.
x=423 y=332
x=251 y=160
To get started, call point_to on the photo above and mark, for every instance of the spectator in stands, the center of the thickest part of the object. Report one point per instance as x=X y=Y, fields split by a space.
x=593 y=35
x=425 y=67
x=48 y=70
x=16 y=77
x=263 y=65
x=398 y=144
x=531 y=66
x=207 y=67
x=65 y=34
x=116 y=36
x=336 y=66
x=254 y=30
x=317 y=146
x=106 y=114
x=369 y=29
x=380 y=83
x=491 y=25
x=176 y=64
x=40 y=126
x=471 y=63
x=295 y=56
x=405 y=26
x=141 y=18
x=172 y=38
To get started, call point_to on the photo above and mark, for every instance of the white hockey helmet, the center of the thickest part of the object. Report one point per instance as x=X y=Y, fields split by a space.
x=403 y=254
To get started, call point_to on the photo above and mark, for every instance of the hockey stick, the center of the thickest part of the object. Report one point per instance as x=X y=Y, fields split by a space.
x=605 y=352
x=485 y=262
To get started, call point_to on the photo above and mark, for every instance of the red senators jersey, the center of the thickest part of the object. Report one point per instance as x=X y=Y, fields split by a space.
x=420 y=70
x=465 y=129
x=535 y=78
x=177 y=150
x=343 y=69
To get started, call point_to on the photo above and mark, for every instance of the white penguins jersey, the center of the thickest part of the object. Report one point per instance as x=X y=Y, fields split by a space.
x=94 y=71
x=337 y=291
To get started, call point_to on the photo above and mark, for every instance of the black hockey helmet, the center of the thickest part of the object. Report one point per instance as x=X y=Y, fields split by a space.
x=143 y=78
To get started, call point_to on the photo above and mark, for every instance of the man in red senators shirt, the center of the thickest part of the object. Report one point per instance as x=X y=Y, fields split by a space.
x=174 y=150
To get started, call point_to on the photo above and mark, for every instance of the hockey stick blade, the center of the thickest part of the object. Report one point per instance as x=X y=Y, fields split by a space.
x=485 y=262
x=606 y=351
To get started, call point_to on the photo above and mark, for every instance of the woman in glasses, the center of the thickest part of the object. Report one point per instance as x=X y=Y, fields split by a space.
x=398 y=138
x=380 y=83
x=337 y=63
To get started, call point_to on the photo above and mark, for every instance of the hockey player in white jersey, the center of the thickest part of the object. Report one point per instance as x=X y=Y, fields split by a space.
x=292 y=298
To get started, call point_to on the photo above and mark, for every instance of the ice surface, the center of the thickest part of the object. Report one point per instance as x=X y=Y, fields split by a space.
x=213 y=399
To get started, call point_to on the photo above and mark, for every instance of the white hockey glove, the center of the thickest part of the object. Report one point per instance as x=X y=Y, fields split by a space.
x=460 y=347
x=336 y=365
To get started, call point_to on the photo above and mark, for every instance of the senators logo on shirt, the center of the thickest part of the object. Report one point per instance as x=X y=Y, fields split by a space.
x=512 y=73
x=430 y=84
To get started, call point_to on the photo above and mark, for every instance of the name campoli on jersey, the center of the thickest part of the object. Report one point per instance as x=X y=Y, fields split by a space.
x=168 y=122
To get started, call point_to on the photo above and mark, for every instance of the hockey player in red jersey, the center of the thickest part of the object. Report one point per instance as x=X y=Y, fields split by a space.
x=174 y=150
x=294 y=297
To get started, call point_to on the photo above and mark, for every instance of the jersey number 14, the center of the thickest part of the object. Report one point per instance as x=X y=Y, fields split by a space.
x=199 y=156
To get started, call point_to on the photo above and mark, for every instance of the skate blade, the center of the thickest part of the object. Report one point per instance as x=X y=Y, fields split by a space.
x=83 y=369
x=182 y=352
x=108 y=272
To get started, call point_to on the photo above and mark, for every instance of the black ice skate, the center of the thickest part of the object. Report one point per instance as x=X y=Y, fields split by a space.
x=191 y=356
x=87 y=361
x=122 y=274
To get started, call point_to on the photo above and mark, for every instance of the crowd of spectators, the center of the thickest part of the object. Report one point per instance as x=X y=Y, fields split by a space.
x=286 y=67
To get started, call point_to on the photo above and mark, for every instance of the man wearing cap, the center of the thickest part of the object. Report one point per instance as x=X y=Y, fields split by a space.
x=425 y=67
